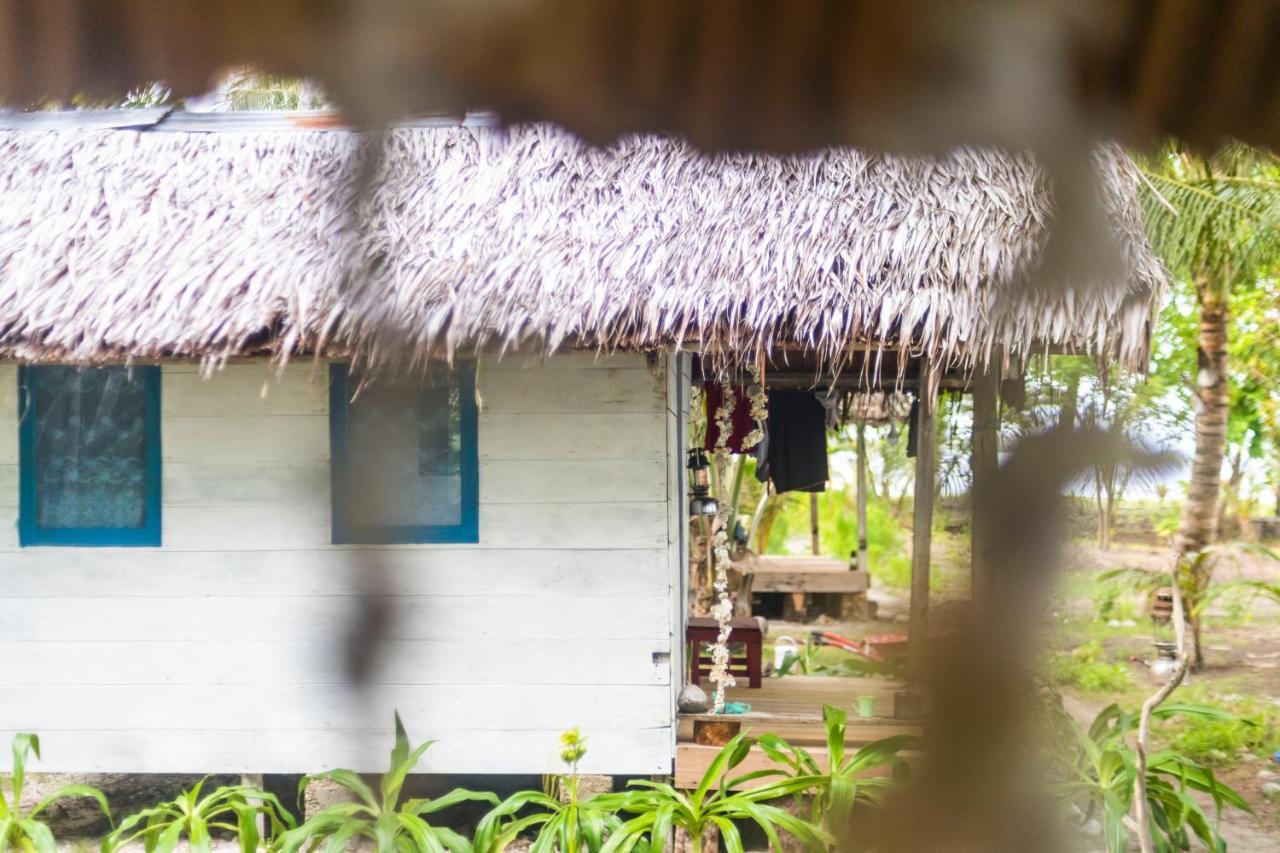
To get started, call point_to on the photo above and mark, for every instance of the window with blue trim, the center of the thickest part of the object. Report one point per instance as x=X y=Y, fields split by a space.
x=404 y=459
x=89 y=455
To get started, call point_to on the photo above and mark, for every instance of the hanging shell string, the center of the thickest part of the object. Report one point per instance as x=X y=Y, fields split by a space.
x=759 y=408
x=722 y=610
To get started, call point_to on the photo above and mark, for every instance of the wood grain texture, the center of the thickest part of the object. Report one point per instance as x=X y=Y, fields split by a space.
x=222 y=649
x=319 y=662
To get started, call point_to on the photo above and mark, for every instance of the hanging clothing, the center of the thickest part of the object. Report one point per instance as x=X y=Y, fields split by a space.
x=740 y=418
x=913 y=420
x=797 y=451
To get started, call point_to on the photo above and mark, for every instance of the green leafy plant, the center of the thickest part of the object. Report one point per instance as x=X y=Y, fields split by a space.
x=1199 y=584
x=392 y=826
x=809 y=660
x=1085 y=669
x=660 y=808
x=565 y=823
x=1253 y=726
x=23 y=830
x=845 y=780
x=1094 y=771
x=195 y=815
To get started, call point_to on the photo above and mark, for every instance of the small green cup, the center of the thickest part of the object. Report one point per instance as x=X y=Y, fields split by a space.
x=866 y=706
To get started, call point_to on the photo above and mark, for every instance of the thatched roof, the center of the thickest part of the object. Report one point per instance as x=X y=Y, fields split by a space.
x=148 y=244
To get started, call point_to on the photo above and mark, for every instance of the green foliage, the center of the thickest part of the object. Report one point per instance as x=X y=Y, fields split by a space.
x=658 y=808
x=838 y=532
x=814 y=659
x=25 y=831
x=565 y=825
x=1086 y=669
x=249 y=89
x=1094 y=772
x=1218 y=741
x=392 y=826
x=837 y=789
x=1112 y=601
x=196 y=816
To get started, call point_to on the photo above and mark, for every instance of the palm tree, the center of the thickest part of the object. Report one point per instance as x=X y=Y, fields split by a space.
x=1216 y=223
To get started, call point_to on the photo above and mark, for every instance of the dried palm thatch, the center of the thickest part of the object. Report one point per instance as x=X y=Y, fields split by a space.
x=119 y=243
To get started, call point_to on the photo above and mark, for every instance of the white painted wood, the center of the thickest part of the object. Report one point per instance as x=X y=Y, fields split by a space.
x=199 y=484
x=244 y=390
x=571 y=391
x=535 y=525
x=520 y=481
x=612 y=525
x=245 y=438
x=677 y=548
x=275 y=662
x=525 y=481
x=295 y=707
x=8 y=391
x=575 y=360
x=221 y=650
x=553 y=436
x=459 y=570
x=499 y=617
x=8 y=483
x=638 y=751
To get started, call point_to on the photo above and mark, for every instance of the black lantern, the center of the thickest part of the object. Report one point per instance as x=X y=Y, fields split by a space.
x=701 y=504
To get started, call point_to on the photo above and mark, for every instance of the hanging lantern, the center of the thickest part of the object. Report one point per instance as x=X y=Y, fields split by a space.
x=701 y=503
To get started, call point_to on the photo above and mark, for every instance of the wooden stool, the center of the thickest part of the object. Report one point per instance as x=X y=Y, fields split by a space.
x=703 y=630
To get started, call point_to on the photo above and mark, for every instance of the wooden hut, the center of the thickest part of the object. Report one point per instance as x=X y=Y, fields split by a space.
x=267 y=385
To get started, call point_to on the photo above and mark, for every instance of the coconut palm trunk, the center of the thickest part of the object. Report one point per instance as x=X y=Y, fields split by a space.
x=1199 y=525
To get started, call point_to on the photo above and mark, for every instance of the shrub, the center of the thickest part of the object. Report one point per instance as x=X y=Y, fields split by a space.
x=233 y=809
x=383 y=820
x=25 y=830
x=1219 y=741
x=845 y=781
x=1084 y=669
x=1093 y=771
x=659 y=808
x=567 y=824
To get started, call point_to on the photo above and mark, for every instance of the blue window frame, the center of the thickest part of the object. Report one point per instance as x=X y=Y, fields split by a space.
x=404 y=465
x=89 y=456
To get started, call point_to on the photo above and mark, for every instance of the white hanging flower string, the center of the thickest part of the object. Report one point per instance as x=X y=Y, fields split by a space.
x=722 y=610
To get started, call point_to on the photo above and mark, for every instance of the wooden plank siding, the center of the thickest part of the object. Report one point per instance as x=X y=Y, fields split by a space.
x=221 y=650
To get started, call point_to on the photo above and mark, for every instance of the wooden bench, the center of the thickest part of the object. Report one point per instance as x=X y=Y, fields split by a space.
x=703 y=630
x=830 y=584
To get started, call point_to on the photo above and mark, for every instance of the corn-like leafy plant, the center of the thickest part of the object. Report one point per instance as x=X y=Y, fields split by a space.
x=660 y=808
x=392 y=826
x=845 y=781
x=196 y=815
x=565 y=825
x=25 y=831
x=1094 y=770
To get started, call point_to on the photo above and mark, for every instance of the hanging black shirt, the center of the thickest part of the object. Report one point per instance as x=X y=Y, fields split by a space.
x=797 y=442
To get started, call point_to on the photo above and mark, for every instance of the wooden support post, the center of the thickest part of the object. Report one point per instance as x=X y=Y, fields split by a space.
x=863 y=562
x=922 y=525
x=813 y=525
x=984 y=463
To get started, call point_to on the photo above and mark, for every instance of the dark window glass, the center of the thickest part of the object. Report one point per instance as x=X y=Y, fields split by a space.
x=90 y=456
x=404 y=458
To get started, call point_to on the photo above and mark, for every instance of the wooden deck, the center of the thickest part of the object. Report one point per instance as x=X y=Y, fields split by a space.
x=805 y=574
x=791 y=708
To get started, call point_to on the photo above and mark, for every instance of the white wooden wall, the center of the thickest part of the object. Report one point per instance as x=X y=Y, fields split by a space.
x=221 y=650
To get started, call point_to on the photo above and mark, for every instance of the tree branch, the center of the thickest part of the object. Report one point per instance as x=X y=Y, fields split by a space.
x=1141 y=814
